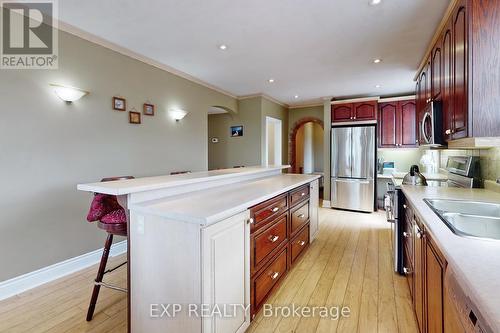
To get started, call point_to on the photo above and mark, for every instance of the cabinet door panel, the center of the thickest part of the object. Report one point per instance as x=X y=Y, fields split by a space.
x=387 y=124
x=365 y=110
x=460 y=73
x=447 y=81
x=226 y=244
x=342 y=112
x=418 y=296
x=436 y=71
x=407 y=123
x=434 y=287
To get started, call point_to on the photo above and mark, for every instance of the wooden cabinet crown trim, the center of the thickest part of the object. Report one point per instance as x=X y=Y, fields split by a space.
x=436 y=36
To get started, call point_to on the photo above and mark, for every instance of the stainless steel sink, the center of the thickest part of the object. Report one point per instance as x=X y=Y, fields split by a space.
x=469 y=218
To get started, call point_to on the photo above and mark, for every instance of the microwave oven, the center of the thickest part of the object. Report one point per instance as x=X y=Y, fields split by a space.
x=431 y=125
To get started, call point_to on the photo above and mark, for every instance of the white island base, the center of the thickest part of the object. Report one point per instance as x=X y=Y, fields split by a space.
x=189 y=245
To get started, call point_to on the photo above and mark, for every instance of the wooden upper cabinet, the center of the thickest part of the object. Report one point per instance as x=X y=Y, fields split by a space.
x=447 y=80
x=436 y=72
x=342 y=112
x=397 y=124
x=407 y=123
x=365 y=110
x=460 y=72
x=387 y=124
x=354 y=111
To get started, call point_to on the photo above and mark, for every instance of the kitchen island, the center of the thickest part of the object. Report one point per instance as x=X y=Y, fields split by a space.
x=207 y=249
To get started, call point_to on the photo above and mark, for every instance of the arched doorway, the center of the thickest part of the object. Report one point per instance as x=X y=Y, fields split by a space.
x=307 y=134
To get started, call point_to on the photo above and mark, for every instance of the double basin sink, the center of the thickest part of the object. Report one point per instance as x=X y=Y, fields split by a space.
x=468 y=218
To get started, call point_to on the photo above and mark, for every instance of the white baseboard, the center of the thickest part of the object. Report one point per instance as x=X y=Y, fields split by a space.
x=327 y=204
x=36 y=278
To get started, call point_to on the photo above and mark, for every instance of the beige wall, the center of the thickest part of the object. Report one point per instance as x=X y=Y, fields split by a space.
x=232 y=151
x=47 y=146
x=297 y=114
x=403 y=158
x=250 y=148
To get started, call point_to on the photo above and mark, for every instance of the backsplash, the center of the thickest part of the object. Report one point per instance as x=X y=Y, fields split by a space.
x=489 y=159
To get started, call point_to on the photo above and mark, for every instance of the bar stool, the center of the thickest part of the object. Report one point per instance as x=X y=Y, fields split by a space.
x=112 y=229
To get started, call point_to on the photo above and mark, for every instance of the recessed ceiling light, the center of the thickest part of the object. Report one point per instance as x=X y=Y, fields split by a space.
x=270 y=80
x=375 y=2
x=223 y=47
x=376 y=61
x=296 y=96
x=377 y=86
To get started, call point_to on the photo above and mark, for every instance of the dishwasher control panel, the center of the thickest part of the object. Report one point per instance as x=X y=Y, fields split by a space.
x=470 y=317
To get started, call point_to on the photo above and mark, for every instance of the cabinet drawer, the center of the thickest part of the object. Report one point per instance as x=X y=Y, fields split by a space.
x=299 y=217
x=265 y=212
x=299 y=243
x=268 y=278
x=265 y=242
x=299 y=195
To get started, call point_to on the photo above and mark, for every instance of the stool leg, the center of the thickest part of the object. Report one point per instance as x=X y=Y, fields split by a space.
x=100 y=275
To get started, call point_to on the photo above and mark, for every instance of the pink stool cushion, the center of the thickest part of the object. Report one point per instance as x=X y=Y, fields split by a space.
x=114 y=217
x=101 y=205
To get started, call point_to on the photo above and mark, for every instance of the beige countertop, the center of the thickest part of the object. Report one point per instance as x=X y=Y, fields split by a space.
x=476 y=262
x=215 y=204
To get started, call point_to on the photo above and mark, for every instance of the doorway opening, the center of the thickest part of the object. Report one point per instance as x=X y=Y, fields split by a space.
x=273 y=144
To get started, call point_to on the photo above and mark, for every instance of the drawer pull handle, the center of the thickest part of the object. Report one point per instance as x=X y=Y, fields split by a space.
x=275 y=275
x=405 y=206
x=250 y=220
x=301 y=216
x=302 y=194
x=406 y=271
x=302 y=243
x=273 y=239
x=405 y=234
x=275 y=209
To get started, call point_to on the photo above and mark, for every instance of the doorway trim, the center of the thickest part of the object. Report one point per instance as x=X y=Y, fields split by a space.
x=277 y=139
x=293 y=138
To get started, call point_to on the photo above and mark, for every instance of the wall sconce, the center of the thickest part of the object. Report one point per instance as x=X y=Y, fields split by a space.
x=68 y=94
x=178 y=114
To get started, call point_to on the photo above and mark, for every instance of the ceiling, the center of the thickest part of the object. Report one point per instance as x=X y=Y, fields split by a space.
x=313 y=49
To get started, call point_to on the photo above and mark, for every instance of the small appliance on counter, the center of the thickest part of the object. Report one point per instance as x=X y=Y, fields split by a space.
x=388 y=168
x=414 y=177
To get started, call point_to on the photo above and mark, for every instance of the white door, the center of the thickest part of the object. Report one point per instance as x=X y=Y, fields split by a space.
x=226 y=273
x=272 y=153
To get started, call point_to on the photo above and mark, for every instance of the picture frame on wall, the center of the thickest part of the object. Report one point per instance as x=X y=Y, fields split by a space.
x=119 y=104
x=134 y=117
x=236 y=131
x=148 y=109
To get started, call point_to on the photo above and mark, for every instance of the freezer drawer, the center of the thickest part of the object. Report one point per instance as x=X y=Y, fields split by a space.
x=353 y=194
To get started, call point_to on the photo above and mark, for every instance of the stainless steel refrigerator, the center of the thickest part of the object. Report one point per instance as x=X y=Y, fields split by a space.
x=353 y=168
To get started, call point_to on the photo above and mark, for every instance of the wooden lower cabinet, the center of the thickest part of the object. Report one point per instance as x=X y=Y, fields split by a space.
x=279 y=235
x=434 y=269
x=425 y=267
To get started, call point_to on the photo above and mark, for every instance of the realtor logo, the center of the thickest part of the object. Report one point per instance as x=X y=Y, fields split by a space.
x=29 y=35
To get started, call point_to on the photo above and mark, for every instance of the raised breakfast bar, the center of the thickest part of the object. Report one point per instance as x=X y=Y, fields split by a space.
x=207 y=249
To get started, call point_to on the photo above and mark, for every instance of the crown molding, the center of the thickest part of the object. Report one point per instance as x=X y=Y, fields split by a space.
x=306 y=105
x=355 y=100
x=68 y=28
x=262 y=95
x=395 y=99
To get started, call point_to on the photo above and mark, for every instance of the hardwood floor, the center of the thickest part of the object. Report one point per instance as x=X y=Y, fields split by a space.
x=350 y=265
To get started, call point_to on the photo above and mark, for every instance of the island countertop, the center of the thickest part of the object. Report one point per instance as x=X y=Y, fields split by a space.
x=123 y=187
x=215 y=204
x=475 y=262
